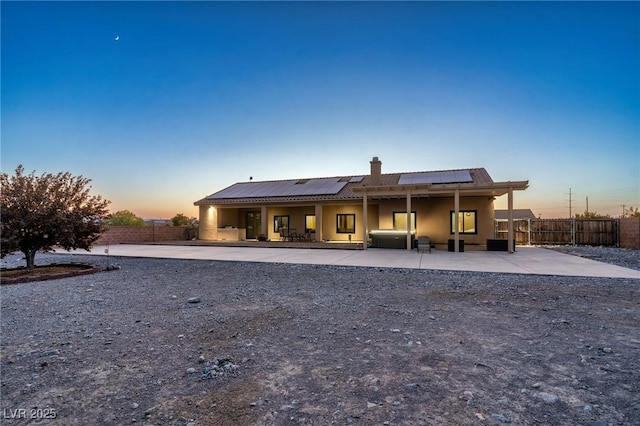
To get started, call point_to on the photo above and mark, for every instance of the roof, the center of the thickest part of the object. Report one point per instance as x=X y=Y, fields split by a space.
x=517 y=214
x=339 y=187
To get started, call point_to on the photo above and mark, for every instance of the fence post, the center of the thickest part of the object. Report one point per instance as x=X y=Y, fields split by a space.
x=529 y=231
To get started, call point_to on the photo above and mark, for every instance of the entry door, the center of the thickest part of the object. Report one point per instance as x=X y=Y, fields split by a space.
x=254 y=225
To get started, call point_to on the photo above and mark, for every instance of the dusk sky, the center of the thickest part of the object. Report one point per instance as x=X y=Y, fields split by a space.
x=164 y=103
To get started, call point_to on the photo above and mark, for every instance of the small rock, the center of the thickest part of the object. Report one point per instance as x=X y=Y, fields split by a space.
x=201 y=359
x=411 y=386
x=193 y=300
x=371 y=405
x=547 y=397
x=500 y=418
x=134 y=405
x=394 y=330
x=191 y=370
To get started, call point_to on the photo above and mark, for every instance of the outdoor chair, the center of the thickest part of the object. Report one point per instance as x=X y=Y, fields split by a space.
x=423 y=244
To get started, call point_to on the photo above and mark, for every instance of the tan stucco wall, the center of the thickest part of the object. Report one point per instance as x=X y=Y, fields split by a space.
x=329 y=219
x=296 y=218
x=208 y=228
x=433 y=217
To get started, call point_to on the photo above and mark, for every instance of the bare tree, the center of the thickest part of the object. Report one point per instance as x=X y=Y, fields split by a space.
x=39 y=213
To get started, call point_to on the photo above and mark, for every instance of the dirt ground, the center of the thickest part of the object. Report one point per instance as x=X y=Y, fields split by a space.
x=179 y=342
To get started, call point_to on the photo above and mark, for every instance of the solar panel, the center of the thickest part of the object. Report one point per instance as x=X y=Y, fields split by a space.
x=283 y=188
x=450 y=176
x=356 y=179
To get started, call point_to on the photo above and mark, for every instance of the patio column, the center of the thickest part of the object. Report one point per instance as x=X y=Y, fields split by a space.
x=264 y=219
x=510 y=246
x=365 y=220
x=409 y=219
x=456 y=208
x=318 y=222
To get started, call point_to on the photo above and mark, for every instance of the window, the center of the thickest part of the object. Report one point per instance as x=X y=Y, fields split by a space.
x=400 y=221
x=346 y=224
x=309 y=223
x=280 y=222
x=467 y=222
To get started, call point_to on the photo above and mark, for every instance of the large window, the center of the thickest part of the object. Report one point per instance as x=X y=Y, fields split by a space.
x=346 y=223
x=309 y=223
x=400 y=221
x=467 y=222
x=280 y=222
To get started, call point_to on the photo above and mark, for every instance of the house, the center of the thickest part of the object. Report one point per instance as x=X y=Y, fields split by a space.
x=445 y=205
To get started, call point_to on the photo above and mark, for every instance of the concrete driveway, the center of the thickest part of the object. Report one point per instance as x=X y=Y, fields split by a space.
x=526 y=260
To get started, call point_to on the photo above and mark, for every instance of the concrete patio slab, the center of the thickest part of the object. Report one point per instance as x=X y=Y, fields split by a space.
x=526 y=260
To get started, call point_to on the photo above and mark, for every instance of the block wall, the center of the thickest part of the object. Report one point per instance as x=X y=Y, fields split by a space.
x=141 y=234
x=630 y=232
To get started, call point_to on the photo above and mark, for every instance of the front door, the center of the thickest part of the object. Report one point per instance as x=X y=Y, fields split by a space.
x=254 y=225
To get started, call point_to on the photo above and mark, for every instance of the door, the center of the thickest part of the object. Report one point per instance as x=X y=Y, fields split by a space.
x=254 y=225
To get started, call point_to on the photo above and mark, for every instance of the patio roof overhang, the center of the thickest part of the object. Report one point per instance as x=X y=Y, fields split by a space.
x=495 y=189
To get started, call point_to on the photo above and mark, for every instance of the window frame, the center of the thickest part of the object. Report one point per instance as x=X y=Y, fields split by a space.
x=346 y=230
x=414 y=216
x=308 y=230
x=461 y=224
x=277 y=222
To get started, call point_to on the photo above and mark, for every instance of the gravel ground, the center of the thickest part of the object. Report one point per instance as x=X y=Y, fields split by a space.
x=186 y=342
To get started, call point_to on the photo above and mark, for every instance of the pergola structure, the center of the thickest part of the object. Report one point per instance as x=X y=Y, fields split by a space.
x=417 y=190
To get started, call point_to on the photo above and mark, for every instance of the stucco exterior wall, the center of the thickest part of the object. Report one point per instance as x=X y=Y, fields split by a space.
x=208 y=223
x=433 y=217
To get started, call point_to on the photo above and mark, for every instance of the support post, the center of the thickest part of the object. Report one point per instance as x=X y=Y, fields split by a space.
x=510 y=233
x=409 y=220
x=365 y=220
x=318 y=222
x=264 y=220
x=456 y=232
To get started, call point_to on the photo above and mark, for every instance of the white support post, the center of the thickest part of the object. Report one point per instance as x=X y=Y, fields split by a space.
x=409 y=220
x=318 y=222
x=510 y=233
x=365 y=221
x=456 y=232
x=264 y=221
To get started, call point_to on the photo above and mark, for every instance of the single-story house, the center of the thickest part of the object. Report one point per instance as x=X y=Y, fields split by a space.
x=443 y=205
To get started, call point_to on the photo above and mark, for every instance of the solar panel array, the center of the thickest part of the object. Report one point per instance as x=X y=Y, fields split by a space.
x=449 y=176
x=283 y=188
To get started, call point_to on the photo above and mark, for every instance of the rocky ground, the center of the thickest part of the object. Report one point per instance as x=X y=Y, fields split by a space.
x=185 y=342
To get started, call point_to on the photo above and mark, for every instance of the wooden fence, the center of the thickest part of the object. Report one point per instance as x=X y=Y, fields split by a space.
x=592 y=232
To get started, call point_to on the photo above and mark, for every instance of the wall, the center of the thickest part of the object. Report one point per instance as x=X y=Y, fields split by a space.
x=141 y=234
x=433 y=217
x=630 y=232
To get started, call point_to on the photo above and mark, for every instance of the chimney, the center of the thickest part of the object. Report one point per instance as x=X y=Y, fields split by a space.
x=376 y=171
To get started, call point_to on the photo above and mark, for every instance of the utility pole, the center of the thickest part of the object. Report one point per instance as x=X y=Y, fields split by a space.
x=587 y=206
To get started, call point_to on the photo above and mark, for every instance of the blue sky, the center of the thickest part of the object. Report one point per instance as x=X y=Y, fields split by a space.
x=195 y=96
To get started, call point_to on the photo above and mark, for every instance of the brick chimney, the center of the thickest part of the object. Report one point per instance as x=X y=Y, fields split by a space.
x=376 y=171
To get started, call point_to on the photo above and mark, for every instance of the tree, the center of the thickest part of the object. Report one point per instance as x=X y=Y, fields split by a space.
x=631 y=212
x=180 y=220
x=592 y=215
x=42 y=212
x=125 y=218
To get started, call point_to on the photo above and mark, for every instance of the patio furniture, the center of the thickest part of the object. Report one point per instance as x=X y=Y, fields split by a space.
x=451 y=245
x=284 y=235
x=423 y=244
